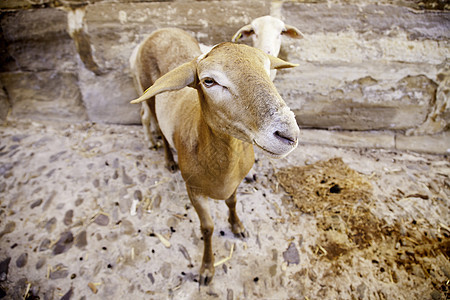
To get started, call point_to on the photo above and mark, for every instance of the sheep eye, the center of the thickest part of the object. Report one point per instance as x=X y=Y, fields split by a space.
x=208 y=82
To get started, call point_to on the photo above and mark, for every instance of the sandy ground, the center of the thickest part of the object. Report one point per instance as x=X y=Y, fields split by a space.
x=87 y=212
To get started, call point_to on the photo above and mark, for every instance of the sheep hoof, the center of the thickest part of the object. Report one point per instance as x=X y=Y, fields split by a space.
x=251 y=178
x=206 y=276
x=155 y=145
x=242 y=235
x=239 y=231
x=172 y=166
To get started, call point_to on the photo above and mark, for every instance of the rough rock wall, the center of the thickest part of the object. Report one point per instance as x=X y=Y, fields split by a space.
x=71 y=62
x=364 y=65
x=39 y=65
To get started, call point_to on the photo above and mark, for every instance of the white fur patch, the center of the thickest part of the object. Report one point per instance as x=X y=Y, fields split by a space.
x=75 y=19
x=267 y=34
x=205 y=49
x=283 y=121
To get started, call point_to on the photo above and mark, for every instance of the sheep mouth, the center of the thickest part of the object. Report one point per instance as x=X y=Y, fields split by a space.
x=273 y=154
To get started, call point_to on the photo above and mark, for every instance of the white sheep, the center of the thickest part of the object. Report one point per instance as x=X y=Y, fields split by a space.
x=266 y=33
x=212 y=108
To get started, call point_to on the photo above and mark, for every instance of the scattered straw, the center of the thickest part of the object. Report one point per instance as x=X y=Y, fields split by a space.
x=25 y=296
x=341 y=201
x=93 y=287
x=163 y=240
x=222 y=261
x=322 y=185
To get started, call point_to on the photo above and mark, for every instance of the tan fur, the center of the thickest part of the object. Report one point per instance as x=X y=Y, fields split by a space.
x=213 y=126
x=146 y=66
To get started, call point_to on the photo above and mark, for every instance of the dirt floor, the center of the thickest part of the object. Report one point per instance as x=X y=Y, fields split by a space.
x=87 y=212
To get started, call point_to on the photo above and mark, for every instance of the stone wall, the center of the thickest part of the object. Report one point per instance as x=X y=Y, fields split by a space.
x=364 y=65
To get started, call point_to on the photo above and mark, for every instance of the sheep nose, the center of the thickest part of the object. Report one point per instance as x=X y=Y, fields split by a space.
x=286 y=137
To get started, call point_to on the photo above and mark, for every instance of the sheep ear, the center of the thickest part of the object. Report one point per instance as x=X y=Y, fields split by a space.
x=292 y=32
x=277 y=63
x=244 y=32
x=180 y=77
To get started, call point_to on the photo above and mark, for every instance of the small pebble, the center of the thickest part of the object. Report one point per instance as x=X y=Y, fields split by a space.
x=41 y=262
x=116 y=163
x=102 y=220
x=166 y=269
x=127 y=227
x=230 y=294
x=150 y=276
x=44 y=244
x=125 y=178
x=142 y=177
x=67 y=295
x=173 y=222
x=57 y=156
x=4 y=268
x=50 y=173
x=138 y=195
x=291 y=255
x=22 y=260
x=81 y=239
x=68 y=217
x=50 y=225
x=273 y=270
x=64 y=243
x=157 y=201
x=185 y=253
x=59 y=271
x=5 y=168
x=36 y=203
x=49 y=200
x=9 y=227
x=435 y=295
x=227 y=245
x=96 y=183
x=274 y=255
x=18 y=137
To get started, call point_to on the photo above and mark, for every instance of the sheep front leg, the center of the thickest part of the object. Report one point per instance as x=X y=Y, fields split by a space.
x=148 y=115
x=171 y=165
x=236 y=225
x=201 y=205
x=146 y=120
